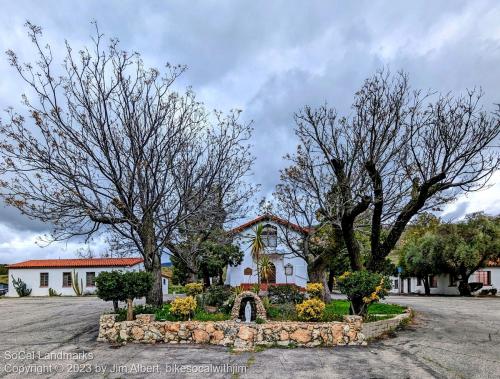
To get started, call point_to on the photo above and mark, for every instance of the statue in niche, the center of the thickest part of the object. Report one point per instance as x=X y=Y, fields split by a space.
x=248 y=312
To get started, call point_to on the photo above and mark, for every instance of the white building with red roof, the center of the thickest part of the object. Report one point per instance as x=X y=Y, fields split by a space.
x=58 y=274
x=287 y=267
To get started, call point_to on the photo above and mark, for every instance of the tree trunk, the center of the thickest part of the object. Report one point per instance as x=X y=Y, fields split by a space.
x=152 y=260
x=331 y=276
x=463 y=285
x=464 y=288
x=130 y=309
x=221 y=279
x=358 y=307
x=352 y=246
x=206 y=279
x=427 y=287
x=317 y=275
x=115 y=306
x=155 y=295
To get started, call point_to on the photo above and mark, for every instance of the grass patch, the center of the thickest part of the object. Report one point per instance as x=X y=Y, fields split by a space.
x=341 y=307
x=386 y=309
x=334 y=311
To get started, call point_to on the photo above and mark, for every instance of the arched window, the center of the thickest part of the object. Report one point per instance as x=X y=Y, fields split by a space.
x=270 y=236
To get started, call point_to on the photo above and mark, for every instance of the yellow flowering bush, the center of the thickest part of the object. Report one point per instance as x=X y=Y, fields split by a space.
x=315 y=290
x=375 y=295
x=310 y=310
x=193 y=289
x=363 y=288
x=183 y=307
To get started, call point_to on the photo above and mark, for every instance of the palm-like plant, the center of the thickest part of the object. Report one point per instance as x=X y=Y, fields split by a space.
x=265 y=268
x=257 y=246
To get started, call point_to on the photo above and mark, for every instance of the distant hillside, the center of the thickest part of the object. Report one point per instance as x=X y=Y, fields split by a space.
x=3 y=269
x=4 y=279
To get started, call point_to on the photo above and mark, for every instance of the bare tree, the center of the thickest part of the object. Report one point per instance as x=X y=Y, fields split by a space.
x=399 y=153
x=110 y=145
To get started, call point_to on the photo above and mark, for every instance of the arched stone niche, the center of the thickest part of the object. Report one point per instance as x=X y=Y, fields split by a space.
x=240 y=302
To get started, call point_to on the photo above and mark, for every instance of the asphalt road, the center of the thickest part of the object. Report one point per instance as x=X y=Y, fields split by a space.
x=451 y=338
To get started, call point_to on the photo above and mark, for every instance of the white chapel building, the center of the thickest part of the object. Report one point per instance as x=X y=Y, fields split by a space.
x=287 y=268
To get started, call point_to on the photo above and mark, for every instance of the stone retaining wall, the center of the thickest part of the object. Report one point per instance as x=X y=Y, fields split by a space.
x=240 y=336
x=244 y=336
x=378 y=328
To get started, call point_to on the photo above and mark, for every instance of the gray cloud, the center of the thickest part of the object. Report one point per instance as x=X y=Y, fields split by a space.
x=272 y=58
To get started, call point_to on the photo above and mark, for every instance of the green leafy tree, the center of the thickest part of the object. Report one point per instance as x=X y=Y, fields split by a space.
x=110 y=287
x=136 y=284
x=213 y=257
x=422 y=257
x=430 y=247
x=470 y=245
x=363 y=288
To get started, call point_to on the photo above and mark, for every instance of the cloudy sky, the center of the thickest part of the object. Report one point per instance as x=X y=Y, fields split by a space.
x=269 y=59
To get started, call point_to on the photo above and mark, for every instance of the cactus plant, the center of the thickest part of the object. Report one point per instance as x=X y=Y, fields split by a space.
x=20 y=287
x=53 y=292
x=77 y=287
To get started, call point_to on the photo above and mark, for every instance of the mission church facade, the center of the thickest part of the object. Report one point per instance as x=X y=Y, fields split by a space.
x=286 y=267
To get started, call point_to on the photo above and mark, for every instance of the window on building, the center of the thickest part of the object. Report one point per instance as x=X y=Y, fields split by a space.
x=483 y=277
x=433 y=282
x=419 y=281
x=396 y=284
x=164 y=281
x=44 y=279
x=270 y=236
x=90 y=279
x=67 y=280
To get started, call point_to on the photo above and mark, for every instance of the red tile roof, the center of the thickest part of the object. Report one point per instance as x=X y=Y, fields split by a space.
x=92 y=262
x=494 y=263
x=269 y=218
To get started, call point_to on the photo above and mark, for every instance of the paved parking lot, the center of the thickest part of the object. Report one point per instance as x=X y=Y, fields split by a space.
x=451 y=338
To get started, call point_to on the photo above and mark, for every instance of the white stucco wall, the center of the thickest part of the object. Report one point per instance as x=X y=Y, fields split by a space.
x=31 y=276
x=164 y=285
x=235 y=276
x=443 y=281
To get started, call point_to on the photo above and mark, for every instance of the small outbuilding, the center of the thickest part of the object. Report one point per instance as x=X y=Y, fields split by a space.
x=40 y=275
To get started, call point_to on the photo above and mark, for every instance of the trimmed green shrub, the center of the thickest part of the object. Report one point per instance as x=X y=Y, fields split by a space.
x=282 y=294
x=136 y=284
x=363 y=288
x=119 y=286
x=110 y=287
x=215 y=296
x=282 y=312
